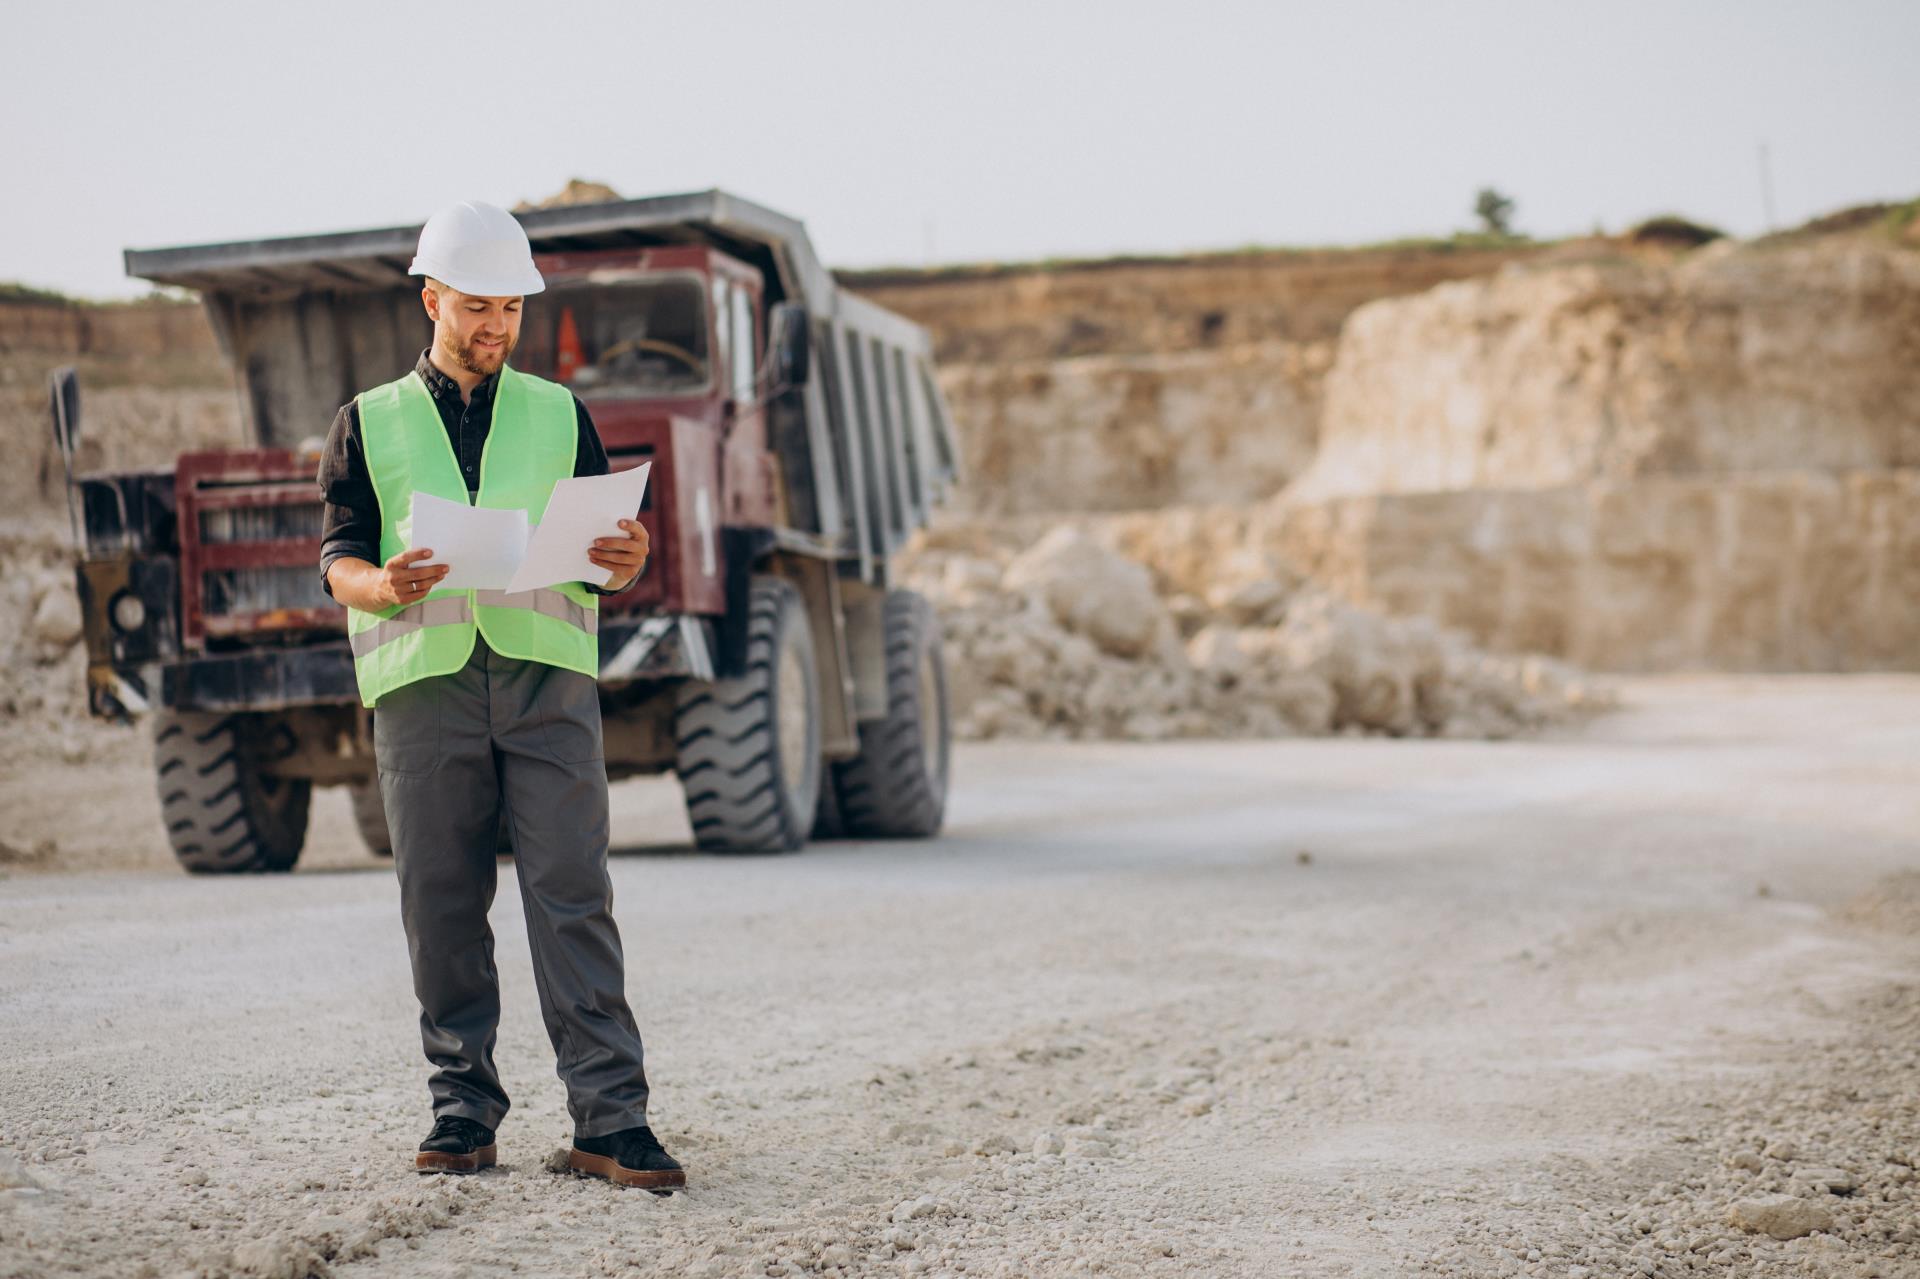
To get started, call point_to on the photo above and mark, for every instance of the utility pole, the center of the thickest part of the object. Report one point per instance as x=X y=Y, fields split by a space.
x=1766 y=187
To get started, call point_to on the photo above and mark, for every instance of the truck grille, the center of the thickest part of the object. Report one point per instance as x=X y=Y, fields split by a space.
x=225 y=592
x=250 y=523
x=259 y=523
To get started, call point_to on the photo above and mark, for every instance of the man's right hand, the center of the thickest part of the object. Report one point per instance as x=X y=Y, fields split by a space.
x=401 y=582
x=370 y=588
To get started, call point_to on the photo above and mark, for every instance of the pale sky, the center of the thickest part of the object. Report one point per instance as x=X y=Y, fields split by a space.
x=905 y=133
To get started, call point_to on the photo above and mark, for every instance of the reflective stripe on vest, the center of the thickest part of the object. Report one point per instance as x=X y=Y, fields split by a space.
x=445 y=611
x=450 y=609
x=546 y=602
x=530 y=447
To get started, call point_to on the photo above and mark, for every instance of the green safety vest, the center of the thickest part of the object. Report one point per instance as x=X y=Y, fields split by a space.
x=530 y=448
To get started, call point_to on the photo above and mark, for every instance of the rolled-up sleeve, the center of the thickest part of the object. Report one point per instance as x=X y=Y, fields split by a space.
x=350 y=524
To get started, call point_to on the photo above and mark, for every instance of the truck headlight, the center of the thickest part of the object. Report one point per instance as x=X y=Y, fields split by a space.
x=127 y=612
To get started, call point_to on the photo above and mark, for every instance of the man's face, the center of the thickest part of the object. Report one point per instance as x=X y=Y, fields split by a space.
x=474 y=332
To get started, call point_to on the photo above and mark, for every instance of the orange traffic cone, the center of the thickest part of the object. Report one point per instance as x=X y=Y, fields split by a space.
x=568 y=356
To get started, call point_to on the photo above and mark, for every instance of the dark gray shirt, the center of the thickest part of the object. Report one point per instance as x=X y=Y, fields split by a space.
x=351 y=525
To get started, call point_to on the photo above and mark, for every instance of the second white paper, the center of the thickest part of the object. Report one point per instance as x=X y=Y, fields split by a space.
x=580 y=510
x=481 y=545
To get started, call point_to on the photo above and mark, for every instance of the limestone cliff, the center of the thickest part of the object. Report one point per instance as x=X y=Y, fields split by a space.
x=1735 y=359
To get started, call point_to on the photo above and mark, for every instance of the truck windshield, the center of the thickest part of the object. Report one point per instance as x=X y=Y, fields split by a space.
x=617 y=340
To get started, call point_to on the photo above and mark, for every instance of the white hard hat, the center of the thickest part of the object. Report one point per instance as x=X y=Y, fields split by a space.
x=479 y=249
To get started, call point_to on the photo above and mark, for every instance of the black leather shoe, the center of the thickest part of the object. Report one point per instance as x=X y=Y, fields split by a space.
x=455 y=1145
x=630 y=1157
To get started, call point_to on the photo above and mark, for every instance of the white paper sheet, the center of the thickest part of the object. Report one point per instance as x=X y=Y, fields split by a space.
x=579 y=511
x=480 y=545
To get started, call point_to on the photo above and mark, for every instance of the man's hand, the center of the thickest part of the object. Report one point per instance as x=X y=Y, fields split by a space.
x=626 y=555
x=370 y=588
x=400 y=582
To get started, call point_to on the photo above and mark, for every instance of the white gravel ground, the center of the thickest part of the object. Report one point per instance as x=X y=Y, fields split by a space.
x=1318 y=1007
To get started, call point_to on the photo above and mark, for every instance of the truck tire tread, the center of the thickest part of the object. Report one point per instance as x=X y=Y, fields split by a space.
x=220 y=816
x=728 y=744
x=888 y=791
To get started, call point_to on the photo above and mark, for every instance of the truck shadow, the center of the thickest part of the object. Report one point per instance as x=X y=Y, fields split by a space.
x=629 y=850
x=811 y=847
x=656 y=850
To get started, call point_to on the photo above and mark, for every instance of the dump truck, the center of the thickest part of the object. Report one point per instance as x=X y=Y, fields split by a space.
x=798 y=438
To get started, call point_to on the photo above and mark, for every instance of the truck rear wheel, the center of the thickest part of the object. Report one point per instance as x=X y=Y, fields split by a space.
x=224 y=816
x=896 y=787
x=748 y=747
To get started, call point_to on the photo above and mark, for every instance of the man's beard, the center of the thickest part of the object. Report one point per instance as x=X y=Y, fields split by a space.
x=473 y=361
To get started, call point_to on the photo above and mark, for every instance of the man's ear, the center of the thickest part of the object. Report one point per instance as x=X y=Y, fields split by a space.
x=430 y=297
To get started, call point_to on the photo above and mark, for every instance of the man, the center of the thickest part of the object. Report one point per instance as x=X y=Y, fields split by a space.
x=486 y=707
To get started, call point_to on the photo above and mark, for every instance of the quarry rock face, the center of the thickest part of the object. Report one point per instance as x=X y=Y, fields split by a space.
x=1703 y=461
x=1781 y=570
x=1141 y=383
x=1125 y=432
x=1733 y=360
x=1634 y=466
x=1143 y=306
x=153 y=385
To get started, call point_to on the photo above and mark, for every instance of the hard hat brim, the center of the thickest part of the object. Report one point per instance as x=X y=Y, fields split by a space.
x=506 y=285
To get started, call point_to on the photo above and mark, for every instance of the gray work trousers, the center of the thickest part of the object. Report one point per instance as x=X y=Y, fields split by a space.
x=456 y=753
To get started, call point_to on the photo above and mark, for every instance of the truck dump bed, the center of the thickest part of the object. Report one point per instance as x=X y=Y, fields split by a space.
x=308 y=321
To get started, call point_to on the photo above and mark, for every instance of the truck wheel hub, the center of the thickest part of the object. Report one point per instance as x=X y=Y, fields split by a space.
x=790 y=704
x=929 y=712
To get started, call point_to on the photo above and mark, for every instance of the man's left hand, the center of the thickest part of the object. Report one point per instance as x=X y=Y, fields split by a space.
x=626 y=555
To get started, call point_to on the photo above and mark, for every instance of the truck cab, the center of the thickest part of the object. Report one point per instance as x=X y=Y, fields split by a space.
x=667 y=345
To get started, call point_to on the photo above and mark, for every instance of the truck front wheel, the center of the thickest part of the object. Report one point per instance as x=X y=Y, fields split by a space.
x=224 y=816
x=748 y=747
x=896 y=787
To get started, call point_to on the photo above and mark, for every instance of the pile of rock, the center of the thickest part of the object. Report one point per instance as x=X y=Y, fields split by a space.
x=47 y=737
x=42 y=660
x=1068 y=637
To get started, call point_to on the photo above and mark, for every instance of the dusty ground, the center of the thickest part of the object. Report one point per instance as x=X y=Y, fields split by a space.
x=1316 y=1007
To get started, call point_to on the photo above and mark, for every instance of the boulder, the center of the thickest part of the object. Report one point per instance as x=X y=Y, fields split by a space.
x=1091 y=591
x=1216 y=652
x=56 y=619
x=1781 y=1216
